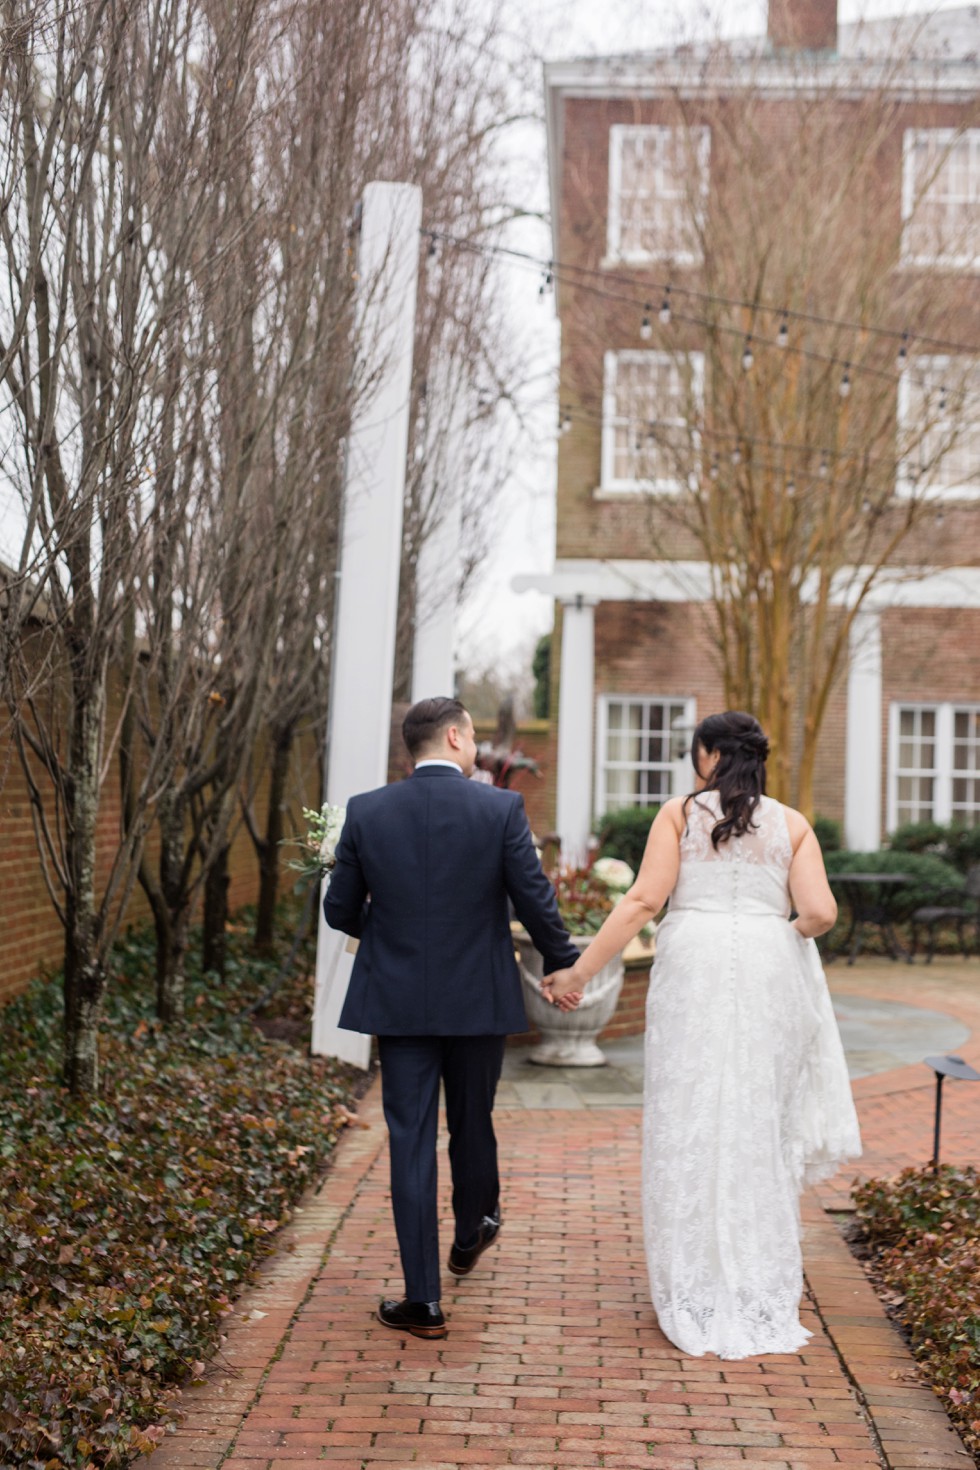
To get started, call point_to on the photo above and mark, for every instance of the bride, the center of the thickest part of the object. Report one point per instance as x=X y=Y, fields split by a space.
x=746 y=1094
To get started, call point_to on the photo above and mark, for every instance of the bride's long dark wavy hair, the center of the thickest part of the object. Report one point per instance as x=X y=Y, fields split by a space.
x=740 y=775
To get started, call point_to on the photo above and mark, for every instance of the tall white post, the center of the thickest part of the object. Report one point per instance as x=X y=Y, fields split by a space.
x=437 y=573
x=576 y=697
x=364 y=637
x=862 y=770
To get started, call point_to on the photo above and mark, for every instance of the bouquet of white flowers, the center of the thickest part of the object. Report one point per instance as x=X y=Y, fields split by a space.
x=319 y=846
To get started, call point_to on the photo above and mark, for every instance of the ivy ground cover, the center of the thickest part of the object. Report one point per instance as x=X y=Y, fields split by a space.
x=923 y=1229
x=128 y=1223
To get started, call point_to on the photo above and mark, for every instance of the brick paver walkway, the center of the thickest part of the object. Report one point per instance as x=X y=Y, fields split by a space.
x=554 y=1358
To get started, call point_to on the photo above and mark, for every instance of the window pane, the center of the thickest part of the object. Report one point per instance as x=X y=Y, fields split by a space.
x=638 y=750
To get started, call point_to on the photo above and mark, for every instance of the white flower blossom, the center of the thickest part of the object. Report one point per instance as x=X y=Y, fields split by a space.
x=616 y=874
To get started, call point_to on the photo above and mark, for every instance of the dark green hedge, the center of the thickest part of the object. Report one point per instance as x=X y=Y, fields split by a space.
x=623 y=833
x=959 y=846
x=930 y=874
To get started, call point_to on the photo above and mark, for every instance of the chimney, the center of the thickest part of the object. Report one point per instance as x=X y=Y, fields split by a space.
x=803 y=25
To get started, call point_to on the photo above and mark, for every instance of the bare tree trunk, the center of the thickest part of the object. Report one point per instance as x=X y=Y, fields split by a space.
x=268 y=848
x=213 y=947
x=84 y=977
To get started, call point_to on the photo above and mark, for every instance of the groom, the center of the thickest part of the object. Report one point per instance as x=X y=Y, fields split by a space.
x=423 y=873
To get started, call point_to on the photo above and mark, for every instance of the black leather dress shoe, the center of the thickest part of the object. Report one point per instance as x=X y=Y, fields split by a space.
x=461 y=1262
x=421 y=1319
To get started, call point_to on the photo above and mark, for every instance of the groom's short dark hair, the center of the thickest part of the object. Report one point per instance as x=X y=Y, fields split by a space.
x=425 y=720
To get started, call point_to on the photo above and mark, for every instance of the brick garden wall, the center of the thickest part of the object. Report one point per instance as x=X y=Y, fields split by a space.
x=31 y=938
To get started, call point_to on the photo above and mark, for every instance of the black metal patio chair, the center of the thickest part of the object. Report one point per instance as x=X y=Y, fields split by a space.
x=948 y=907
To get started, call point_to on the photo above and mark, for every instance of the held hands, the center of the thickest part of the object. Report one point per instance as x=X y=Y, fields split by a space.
x=563 y=989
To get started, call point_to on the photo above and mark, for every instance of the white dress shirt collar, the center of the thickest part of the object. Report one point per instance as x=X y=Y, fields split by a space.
x=437 y=761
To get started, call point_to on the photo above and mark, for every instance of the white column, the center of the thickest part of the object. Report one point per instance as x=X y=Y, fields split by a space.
x=437 y=573
x=576 y=698
x=367 y=605
x=862 y=771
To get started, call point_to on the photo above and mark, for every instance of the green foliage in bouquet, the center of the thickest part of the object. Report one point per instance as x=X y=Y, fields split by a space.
x=924 y=1230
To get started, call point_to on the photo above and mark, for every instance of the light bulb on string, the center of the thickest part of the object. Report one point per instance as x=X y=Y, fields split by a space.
x=433 y=247
x=646 y=326
x=665 y=308
x=942 y=399
x=845 y=382
x=940 y=517
x=824 y=469
x=548 y=280
x=736 y=455
x=747 y=357
x=866 y=506
x=714 y=470
x=901 y=362
x=782 y=336
x=790 y=488
x=565 y=421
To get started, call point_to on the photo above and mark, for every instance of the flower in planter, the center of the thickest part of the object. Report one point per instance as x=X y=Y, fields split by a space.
x=587 y=894
x=616 y=874
x=584 y=899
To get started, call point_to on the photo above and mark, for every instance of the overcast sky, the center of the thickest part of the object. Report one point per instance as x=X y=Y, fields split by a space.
x=496 y=624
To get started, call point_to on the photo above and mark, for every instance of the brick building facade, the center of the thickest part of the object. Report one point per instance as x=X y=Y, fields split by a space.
x=640 y=159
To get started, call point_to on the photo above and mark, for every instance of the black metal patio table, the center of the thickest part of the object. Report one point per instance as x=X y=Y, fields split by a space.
x=871 y=900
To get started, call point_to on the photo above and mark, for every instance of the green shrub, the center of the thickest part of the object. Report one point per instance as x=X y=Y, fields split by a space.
x=957 y=845
x=623 y=833
x=828 y=833
x=128 y=1223
x=924 y=1230
x=929 y=875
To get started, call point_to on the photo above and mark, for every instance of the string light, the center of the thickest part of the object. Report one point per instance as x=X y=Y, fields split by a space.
x=433 y=247
x=548 y=279
x=942 y=400
x=714 y=471
x=613 y=278
x=790 y=488
x=565 y=421
x=901 y=362
x=782 y=336
x=747 y=358
x=736 y=455
x=665 y=308
x=845 y=382
x=646 y=326
x=824 y=469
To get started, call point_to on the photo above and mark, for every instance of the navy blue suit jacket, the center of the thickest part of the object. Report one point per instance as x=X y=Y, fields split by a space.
x=423 y=873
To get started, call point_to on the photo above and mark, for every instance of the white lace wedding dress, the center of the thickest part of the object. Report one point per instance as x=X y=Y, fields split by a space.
x=747 y=1097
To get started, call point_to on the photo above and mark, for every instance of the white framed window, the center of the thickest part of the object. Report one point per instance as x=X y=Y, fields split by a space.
x=934 y=764
x=652 y=402
x=639 y=742
x=941 y=197
x=939 y=428
x=658 y=187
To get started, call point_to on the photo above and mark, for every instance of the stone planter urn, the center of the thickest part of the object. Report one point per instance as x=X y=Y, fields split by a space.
x=568 y=1038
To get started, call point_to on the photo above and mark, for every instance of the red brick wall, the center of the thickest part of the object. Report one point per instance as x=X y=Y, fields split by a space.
x=534 y=738
x=929 y=655
x=31 y=938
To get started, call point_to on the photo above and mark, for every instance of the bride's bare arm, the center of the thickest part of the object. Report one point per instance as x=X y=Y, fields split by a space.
x=653 y=886
x=815 y=905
